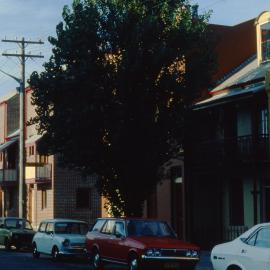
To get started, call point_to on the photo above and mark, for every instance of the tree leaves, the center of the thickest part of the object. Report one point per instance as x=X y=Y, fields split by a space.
x=113 y=97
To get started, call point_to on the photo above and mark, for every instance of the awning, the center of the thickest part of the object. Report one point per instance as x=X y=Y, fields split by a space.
x=5 y=145
x=13 y=134
x=33 y=139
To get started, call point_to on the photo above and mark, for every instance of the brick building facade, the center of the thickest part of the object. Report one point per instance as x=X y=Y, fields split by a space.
x=50 y=190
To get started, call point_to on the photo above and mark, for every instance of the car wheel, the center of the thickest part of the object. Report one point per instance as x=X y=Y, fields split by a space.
x=35 y=253
x=55 y=254
x=95 y=261
x=7 y=244
x=133 y=264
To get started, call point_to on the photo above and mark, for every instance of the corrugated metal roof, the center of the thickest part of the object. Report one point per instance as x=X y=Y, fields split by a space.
x=235 y=76
x=7 y=144
x=225 y=97
x=33 y=139
x=14 y=134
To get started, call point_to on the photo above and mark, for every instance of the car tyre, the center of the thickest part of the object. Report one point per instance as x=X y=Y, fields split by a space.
x=7 y=244
x=95 y=261
x=55 y=254
x=35 y=253
x=133 y=263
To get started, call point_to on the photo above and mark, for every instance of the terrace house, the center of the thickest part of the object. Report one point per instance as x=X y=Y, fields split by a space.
x=50 y=190
x=228 y=156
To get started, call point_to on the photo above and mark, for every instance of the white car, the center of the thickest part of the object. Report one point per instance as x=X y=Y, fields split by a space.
x=250 y=251
x=60 y=237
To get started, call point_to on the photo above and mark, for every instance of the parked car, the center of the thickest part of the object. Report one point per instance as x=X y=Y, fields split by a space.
x=249 y=251
x=60 y=237
x=15 y=232
x=138 y=244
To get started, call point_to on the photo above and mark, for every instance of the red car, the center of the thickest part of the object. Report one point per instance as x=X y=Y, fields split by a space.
x=138 y=244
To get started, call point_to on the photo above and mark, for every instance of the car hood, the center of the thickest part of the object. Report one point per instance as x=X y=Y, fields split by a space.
x=74 y=238
x=164 y=242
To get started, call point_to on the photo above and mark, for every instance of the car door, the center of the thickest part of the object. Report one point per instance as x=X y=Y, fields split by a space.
x=255 y=252
x=118 y=242
x=38 y=238
x=107 y=235
x=48 y=238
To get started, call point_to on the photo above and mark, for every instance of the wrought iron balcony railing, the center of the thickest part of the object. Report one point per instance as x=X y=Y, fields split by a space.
x=242 y=148
x=38 y=173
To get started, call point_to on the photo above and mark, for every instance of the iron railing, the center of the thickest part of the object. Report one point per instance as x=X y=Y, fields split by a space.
x=8 y=175
x=242 y=148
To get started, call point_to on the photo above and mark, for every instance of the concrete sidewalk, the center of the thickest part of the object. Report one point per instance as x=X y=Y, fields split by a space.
x=204 y=263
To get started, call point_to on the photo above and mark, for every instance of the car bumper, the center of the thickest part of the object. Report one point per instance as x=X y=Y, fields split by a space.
x=73 y=252
x=170 y=263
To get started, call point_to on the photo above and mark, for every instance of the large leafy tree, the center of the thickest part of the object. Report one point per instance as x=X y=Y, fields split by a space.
x=114 y=95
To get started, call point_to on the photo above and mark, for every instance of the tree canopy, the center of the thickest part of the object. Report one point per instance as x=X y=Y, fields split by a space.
x=113 y=96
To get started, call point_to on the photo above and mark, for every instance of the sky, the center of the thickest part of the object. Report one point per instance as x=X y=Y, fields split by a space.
x=37 y=19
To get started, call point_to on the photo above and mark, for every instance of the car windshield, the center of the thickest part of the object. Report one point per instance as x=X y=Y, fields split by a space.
x=71 y=228
x=18 y=224
x=149 y=228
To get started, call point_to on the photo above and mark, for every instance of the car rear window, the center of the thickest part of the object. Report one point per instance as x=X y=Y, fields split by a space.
x=71 y=228
x=97 y=227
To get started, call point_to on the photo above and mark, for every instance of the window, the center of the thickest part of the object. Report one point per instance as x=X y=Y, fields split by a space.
x=109 y=227
x=43 y=199
x=49 y=228
x=265 y=37
x=97 y=227
x=31 y=150
x=120 y=228
x=263 y=238
x=263 y=121
x=83 y=198
x=43 y=159
x=236 y=202
x=42 y=227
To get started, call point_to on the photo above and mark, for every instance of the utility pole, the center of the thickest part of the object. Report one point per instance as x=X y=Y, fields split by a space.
x=22 y=56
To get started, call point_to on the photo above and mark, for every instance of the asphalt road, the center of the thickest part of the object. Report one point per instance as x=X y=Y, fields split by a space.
x=22 y=260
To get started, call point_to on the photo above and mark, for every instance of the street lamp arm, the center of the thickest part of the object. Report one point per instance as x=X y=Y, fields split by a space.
x=11 y=76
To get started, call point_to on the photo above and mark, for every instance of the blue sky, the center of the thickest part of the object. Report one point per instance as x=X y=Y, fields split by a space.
x=37 y=19
x=33 y=20
x=231 y=12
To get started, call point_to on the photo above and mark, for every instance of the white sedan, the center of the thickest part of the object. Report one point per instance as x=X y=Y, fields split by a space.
x=60 y=237
x=250 y=251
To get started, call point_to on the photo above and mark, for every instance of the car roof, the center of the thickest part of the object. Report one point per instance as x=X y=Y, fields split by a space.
x=17 y=218
x=63 y=220
x=252 y=229
x=131 y=218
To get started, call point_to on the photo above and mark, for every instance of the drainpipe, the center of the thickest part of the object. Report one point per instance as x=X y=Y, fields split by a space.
x=267 y=89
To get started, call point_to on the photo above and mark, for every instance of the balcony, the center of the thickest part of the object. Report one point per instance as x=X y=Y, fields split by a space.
x=242 y=149
x=8 y=177
x=38 y=173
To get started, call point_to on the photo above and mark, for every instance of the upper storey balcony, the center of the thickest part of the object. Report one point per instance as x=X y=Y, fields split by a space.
x=38 y=173
x=242 y=149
